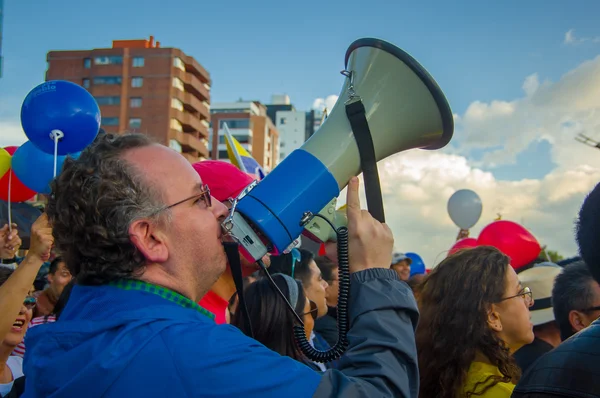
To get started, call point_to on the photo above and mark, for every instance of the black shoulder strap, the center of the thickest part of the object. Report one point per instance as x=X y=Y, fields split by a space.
x=368 y=163
x=233 y=256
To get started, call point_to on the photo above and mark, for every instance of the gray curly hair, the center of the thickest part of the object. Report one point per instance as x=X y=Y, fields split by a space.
x=93 y=202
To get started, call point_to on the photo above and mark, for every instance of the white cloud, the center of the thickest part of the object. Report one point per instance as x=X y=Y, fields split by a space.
x=570 y=36
x=11 y=134
x=321 y=103
x=571 y=39
x=552 y=111
x=531 y=84
x=417 y=184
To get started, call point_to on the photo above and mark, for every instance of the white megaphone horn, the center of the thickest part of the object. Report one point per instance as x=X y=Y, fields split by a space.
x=388 y=94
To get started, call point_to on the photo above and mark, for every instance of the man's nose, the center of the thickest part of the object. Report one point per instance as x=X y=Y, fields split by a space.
x=219 y=209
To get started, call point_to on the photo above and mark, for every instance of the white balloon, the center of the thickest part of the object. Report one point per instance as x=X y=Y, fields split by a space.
x=464 y=208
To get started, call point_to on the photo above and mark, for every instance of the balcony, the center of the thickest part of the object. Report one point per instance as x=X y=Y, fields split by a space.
x=192 y=66
x=193 y=85
x=189 y=143
x=193 y=102
x=189 y=122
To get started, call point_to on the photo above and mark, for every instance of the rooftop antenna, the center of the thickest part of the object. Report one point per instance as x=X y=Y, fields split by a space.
x=584 y=139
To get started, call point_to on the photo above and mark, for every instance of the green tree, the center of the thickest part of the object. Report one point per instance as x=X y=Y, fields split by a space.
x=554 y=256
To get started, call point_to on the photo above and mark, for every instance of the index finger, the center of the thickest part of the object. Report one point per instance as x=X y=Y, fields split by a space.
x=353 y=199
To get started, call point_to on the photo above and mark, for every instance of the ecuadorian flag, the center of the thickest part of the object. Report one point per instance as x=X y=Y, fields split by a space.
x=240 y=157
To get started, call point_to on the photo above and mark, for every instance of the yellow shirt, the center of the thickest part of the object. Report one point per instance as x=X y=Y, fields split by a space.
x=478 y=372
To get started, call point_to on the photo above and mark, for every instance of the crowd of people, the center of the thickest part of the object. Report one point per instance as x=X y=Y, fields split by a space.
x=140 y=300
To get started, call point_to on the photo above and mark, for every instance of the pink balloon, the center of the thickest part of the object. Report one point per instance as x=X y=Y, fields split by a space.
x=511 y=239
x=465 y=243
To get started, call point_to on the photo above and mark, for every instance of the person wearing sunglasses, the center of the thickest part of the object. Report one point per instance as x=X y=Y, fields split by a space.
x=474 y=316
x=143 y=238
x=271 y=319
x=11 y=367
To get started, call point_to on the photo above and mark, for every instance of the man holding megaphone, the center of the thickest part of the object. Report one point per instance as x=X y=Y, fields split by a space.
x=139 y=230
x=132 y=323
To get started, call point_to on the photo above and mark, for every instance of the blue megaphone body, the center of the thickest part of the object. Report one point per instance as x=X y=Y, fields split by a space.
x=404 y=109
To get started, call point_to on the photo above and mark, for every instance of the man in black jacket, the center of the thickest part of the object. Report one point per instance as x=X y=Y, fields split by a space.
x=573 y=368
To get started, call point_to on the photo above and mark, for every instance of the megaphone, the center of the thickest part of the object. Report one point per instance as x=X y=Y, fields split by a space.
x=404 y=108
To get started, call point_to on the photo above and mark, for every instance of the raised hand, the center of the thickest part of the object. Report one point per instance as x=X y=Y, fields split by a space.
x=9 y=241
x=41 y=239
x=370 y=242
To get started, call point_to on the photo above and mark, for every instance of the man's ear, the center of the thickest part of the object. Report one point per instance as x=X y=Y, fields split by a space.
x=577 y=320
x=149 y=240
x=493 y=319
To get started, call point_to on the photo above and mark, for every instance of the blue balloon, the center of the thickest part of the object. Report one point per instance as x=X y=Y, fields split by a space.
x=60 y=105
x=35 y=168
x=417 y=266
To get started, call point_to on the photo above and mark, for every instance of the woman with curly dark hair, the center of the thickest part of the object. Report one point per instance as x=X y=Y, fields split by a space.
x=474 y=315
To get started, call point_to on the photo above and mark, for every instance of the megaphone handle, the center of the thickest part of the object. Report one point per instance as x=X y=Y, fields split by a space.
x=355 y=111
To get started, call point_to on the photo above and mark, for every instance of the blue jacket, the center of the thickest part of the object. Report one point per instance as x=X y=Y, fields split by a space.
x=151 y=342
x=112 y=342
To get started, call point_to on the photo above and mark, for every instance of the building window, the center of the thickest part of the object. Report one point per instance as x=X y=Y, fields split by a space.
x=242 y=138
x=135 y=102
x=137 y=81
x=110 y=121
x=109 y=60
x=107 y=80
x=138 y=62
x=178 y=84
x=176 y=125
x=135 y=123
x=178 y=63
x=108 y=100
x=282 y=120
x=87 y=63
x=173 y=144
x=223 y=155
x=235 y=123
x=86 y=83
x=176 y=104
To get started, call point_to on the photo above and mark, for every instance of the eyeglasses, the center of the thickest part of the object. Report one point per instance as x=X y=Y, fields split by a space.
x=204 y=195
x=597 y=308
x=30 y=302
x=314 y=310
x=525 y=293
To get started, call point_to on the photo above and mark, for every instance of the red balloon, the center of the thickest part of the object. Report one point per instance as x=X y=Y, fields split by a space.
x=465 y=243
x=19 y=192
x=511 y=239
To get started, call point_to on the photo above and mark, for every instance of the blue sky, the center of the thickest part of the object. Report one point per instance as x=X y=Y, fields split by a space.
x=475 y=50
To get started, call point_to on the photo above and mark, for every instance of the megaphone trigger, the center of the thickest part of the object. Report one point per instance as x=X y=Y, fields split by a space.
x=323 y=227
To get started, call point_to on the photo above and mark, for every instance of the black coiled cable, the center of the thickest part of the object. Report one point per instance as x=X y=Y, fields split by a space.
x=342 y=310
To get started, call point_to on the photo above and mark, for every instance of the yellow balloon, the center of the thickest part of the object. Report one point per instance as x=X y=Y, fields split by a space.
x=4 y=162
